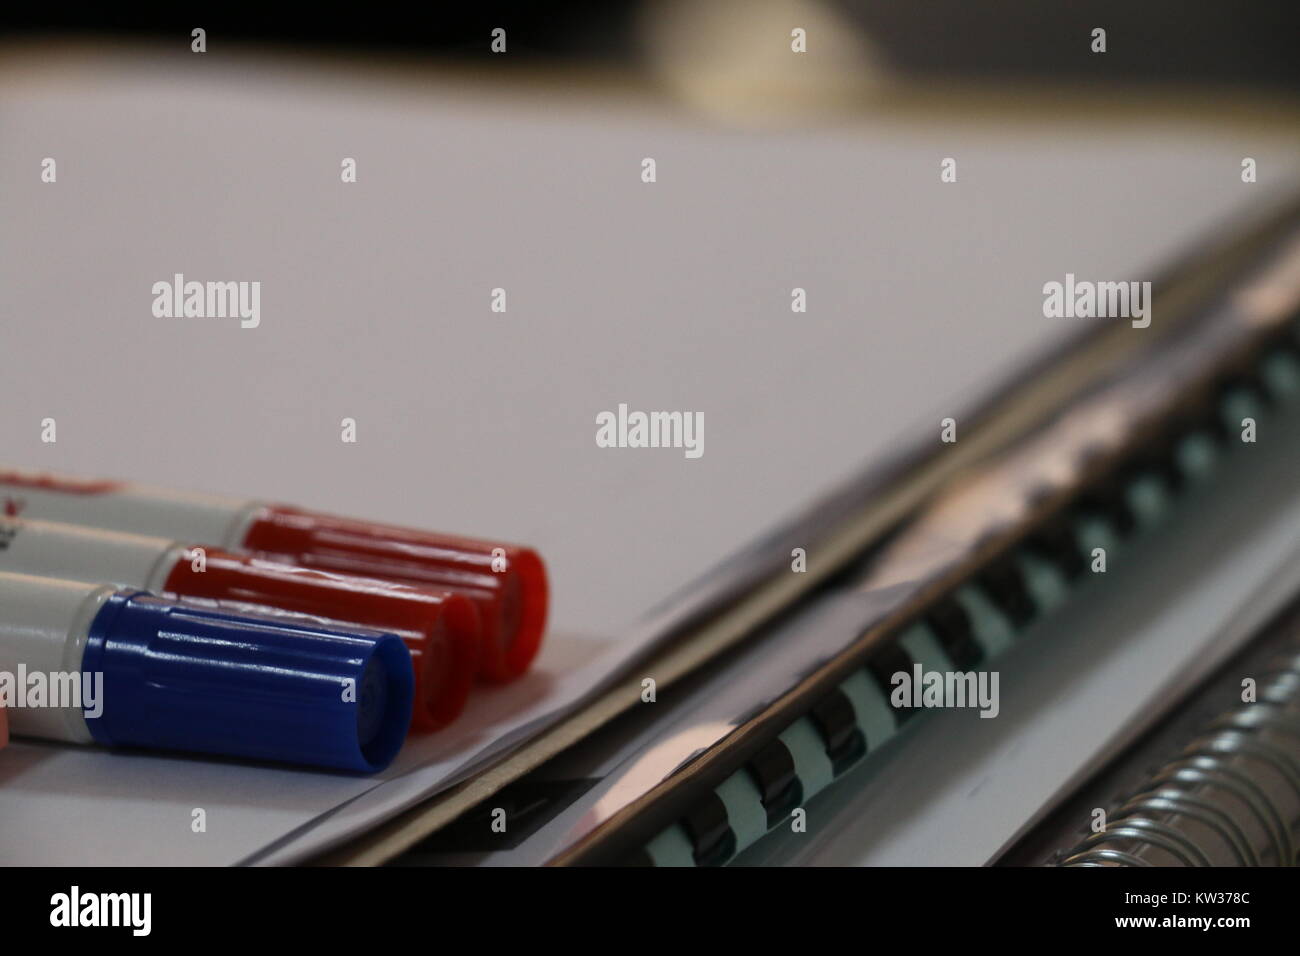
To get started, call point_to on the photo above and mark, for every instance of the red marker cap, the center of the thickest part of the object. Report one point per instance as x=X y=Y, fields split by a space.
x=508 y=582
x=440 y=628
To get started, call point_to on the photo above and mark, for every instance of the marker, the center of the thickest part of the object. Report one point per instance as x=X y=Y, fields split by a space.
x=4 y=728
x=508 y=582
x=92 y=663
x=440 y=628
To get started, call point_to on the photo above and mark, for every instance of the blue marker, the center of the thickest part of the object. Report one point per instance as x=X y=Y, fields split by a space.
x=95 y=664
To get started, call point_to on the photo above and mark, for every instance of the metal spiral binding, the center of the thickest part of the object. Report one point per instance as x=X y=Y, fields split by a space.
x=1231 y=798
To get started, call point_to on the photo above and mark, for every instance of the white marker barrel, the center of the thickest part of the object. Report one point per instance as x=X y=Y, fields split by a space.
x=121 y=506
x=43 y=627
x=59 y=550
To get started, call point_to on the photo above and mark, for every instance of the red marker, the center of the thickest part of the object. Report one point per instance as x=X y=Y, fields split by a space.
x=508 y=582
x=440 y=628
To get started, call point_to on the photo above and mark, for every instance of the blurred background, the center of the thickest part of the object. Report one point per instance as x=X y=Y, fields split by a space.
x=729 y=55
x=1244 y=44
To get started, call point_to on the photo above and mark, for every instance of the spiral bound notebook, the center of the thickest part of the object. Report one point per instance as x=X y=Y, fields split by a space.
x=991 y=562
x=1017 y=602
x=1231 y=797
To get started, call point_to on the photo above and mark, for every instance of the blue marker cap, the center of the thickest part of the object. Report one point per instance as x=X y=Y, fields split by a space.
x=185 y=677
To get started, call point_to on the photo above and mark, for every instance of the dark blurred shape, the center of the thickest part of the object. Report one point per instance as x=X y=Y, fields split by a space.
x=1245 y=42
x=587 y=29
